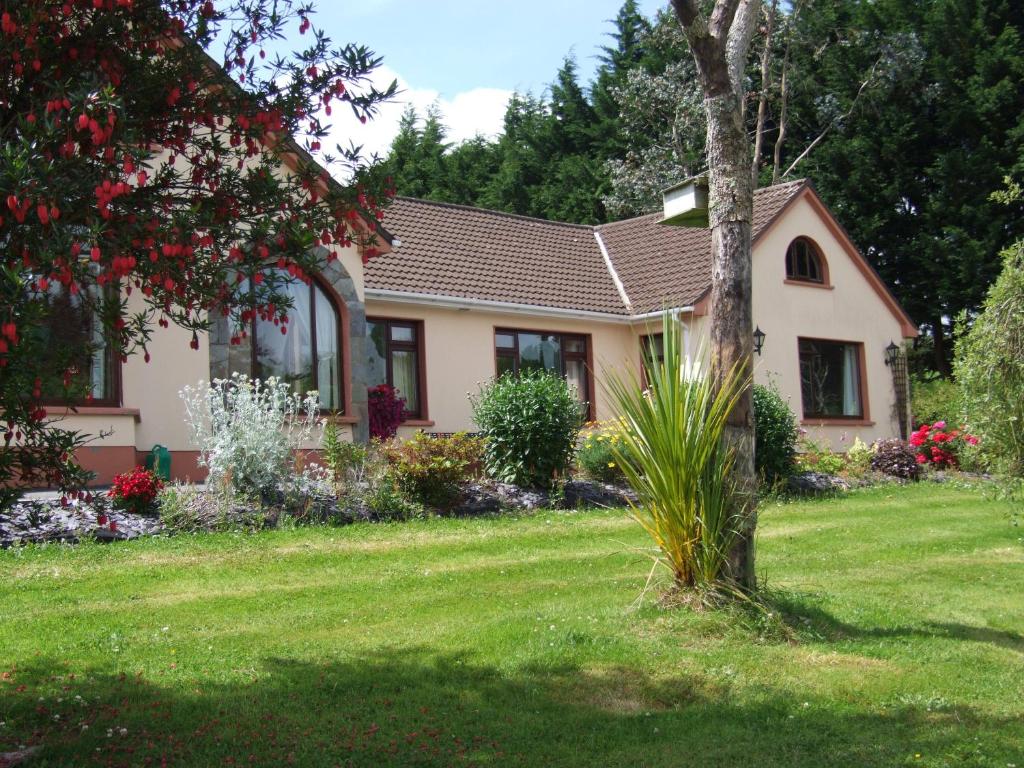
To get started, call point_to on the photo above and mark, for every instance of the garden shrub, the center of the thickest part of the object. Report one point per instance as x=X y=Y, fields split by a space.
x=384 y=500
x=345 y=459
x=989 y=367
x=896 y=458
x=248 y=431
x=933 y=398
x=776 y=434
x=818 y=457
x=530 y=423
x=858 y=457
x=385 y=410
x=431 y=470
x=939 y=447
x=136 y=491
x=595 y=456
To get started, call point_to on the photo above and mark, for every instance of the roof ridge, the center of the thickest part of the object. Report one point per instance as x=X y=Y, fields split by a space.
x=794 y=182
x=506 y=214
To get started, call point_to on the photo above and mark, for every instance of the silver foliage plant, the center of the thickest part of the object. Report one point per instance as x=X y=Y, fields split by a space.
x=249 y=431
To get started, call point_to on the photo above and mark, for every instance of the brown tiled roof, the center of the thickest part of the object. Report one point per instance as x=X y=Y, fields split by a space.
x=462 y=252
x=671 y=266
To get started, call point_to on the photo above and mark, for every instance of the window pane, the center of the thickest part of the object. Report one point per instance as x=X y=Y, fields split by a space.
x=288 y=356
x=328 y=359
x=654 y=347
x=75 y=342
x=574 y=344
x=539 y=352
x=576 y=376
x=377 y=366
x=504 y=340
x=506 y=364
x=403 y=374
x=403 y=333
x=830 y=379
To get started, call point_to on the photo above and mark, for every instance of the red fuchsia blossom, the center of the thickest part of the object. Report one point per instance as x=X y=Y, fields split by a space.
x=98 y=91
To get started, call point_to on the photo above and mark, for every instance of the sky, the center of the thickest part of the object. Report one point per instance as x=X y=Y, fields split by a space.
x=467 y=56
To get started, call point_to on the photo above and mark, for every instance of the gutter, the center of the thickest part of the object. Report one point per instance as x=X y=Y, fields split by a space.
x=461 y=303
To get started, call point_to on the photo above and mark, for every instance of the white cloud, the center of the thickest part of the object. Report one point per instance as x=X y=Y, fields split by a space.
x=466 y=114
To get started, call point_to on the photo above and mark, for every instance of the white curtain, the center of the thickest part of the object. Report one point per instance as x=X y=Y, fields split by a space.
x=851 y=381
x=327 y=366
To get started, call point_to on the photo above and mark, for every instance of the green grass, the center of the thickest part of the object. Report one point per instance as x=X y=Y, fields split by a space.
x=896 y=640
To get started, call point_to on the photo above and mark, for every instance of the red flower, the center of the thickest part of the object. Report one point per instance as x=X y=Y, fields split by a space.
x=136 y=490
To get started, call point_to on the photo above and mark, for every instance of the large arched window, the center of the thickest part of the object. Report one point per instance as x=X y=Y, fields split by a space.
x=805 y=263
x=308 y=356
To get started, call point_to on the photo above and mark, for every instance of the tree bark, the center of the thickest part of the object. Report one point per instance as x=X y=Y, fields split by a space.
x=719 y=46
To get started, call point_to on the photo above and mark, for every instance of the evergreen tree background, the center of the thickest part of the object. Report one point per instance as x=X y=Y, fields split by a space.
x=906 y=116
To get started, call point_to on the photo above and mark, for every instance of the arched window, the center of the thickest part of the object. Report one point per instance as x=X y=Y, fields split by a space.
x=804 y=262
x=308 y=356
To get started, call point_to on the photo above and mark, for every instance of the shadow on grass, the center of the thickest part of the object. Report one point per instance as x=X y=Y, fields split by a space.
x=419 y=708
x=802 y=616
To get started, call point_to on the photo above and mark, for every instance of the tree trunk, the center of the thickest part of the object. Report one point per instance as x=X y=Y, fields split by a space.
x=783 y=108
x=731 y=202
x=762 y=101
x=719 y=46
x=939 y=348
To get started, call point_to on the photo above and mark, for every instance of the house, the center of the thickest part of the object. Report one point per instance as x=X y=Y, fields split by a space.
x=464 y=294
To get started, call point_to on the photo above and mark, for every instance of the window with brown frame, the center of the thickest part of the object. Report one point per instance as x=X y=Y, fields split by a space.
x=652 y=350
x=804 y=262
x=395 y=357
x=77 y=344
x=564 y=353
x=831 y=381
x=308 y=357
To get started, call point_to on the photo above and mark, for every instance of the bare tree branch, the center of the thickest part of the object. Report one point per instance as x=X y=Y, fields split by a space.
x=835 y=120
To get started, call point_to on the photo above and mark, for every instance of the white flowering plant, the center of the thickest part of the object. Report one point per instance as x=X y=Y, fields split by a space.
x=249 y=431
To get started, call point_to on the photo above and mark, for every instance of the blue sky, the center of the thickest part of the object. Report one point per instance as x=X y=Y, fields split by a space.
x=456 y=45
x=467 y=56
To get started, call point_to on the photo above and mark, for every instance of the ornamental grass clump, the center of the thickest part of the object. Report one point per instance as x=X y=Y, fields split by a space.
x=249 y=431
x=674 y=458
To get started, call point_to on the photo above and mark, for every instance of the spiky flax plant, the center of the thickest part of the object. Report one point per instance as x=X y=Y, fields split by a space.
x=674 y=457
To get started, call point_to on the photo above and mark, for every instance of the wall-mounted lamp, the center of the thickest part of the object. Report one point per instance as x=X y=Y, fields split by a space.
x=758 y=340
x=892 y=353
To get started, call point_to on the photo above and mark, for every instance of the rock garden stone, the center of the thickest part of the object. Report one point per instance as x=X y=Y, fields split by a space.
x=816 y=483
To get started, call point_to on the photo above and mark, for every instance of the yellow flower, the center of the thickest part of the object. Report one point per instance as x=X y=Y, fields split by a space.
x=611 y=464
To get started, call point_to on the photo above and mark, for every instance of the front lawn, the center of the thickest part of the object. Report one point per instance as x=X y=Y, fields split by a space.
x=523 y=642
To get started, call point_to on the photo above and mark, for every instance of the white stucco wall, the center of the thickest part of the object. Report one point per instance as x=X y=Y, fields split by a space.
x=459 y=347
x=849 y=310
